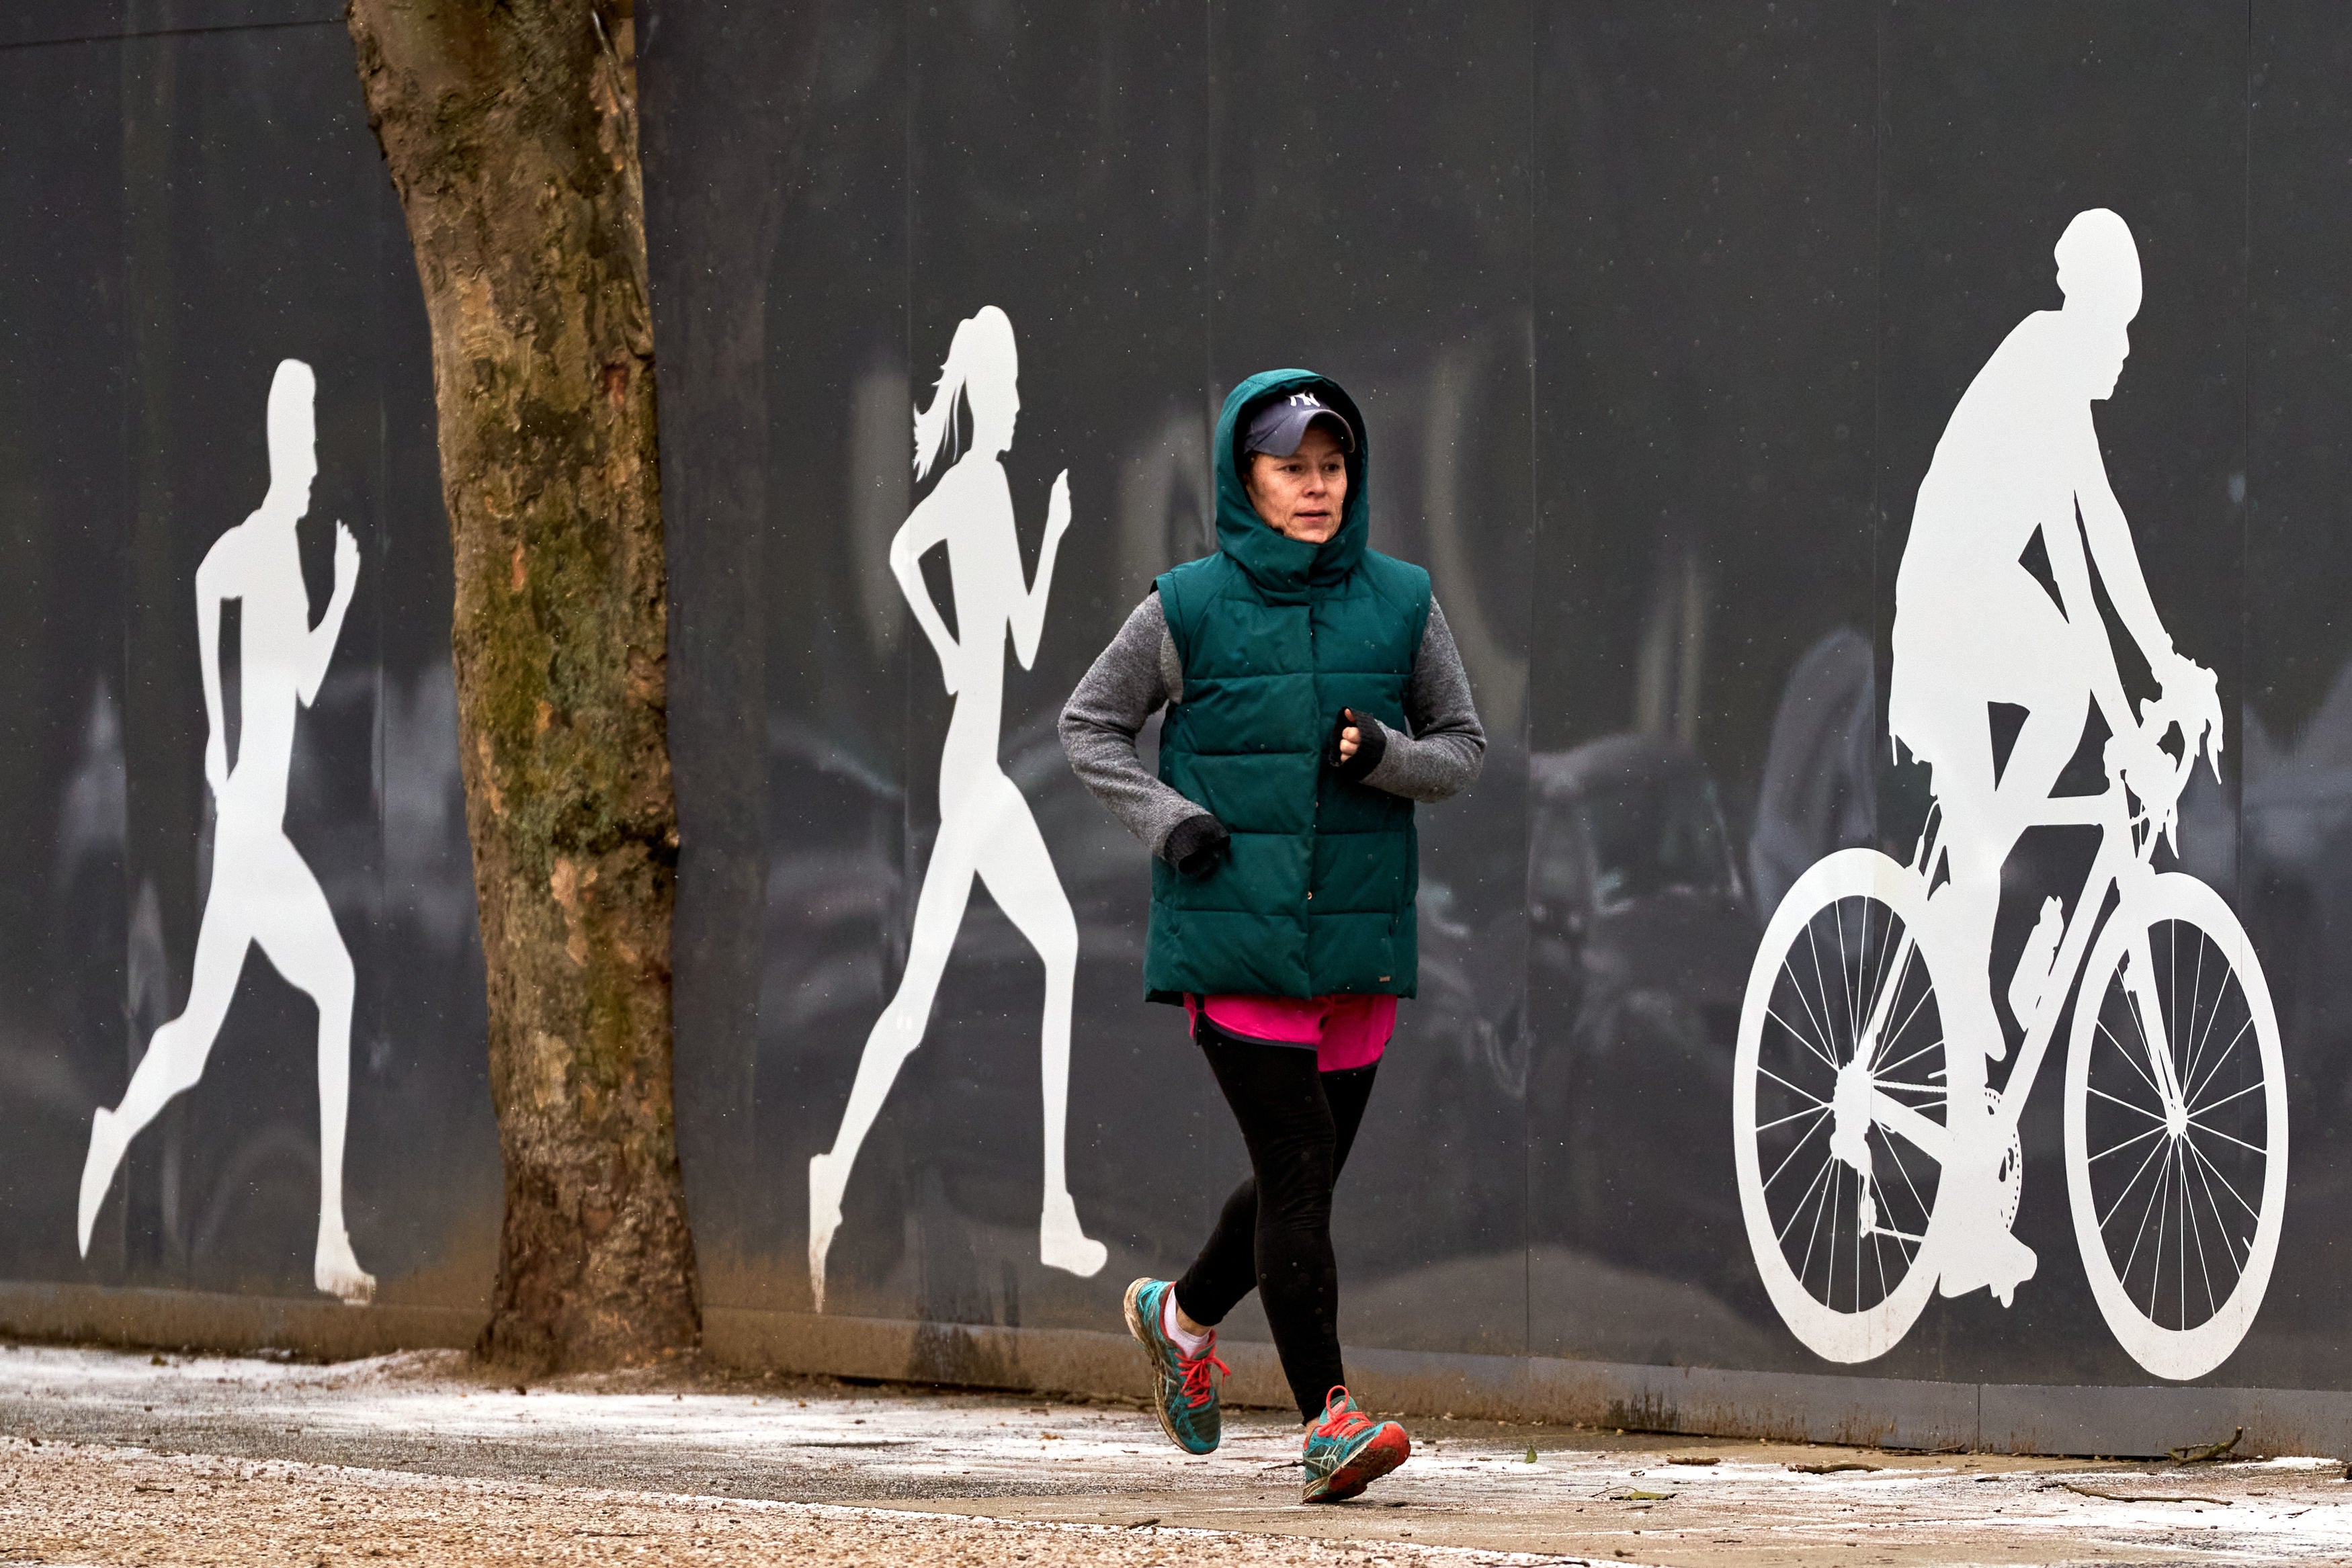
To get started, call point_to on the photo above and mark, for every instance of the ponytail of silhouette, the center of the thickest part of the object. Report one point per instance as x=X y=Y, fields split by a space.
x=982 y=371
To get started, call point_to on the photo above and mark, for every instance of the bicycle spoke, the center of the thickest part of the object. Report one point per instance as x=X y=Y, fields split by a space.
x=1879 y=988
x=1934 y=1089
x=2196 y=995
x=1802 y=1094
x=1802 y=1199
x=2229 y=1185
x=1781 y=1121
x=1820 y=981
x=2251 y=1148
x=1791 y=1154
x=2118 y=1203
x=2180 y=1249
x=1812 y=1238
x=2221 y=1224
x=2126 y=1144
x=2129 y=1060
x=2214 y=1018
x=2163 y=1214
x=1926 y=1213
x=2226 y=1052
x=1806 y=1040
x=2154 y=1116
x=1920 y=1002
x=2216 y=1104
x=1862 y=978
x=1899 y=1066
x=2140 y=1234
x=1845 y=974
x=2204 y=1268
x=1821 y=987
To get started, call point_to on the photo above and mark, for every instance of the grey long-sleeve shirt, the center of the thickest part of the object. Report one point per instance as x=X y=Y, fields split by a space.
x=1139 y=672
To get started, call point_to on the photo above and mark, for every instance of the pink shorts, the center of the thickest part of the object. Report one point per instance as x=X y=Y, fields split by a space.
x=1345 y=1031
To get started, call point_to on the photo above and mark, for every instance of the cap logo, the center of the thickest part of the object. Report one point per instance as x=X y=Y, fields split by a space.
x=1305 y=400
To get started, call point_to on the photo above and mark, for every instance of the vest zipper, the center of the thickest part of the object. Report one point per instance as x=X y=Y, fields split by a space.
x=1315 y=815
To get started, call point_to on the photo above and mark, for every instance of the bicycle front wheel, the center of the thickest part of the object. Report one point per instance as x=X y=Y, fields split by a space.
x=2177 y=1208
x=1838 y=1091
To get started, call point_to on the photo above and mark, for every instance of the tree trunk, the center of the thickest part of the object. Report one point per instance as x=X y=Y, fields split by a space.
x=510 y=131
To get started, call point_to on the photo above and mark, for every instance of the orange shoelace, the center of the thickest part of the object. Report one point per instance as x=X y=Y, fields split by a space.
x=1344 y=1423
x=1198 y=1390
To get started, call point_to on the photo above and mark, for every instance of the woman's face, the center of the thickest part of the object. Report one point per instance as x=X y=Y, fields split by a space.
x=1303 y=496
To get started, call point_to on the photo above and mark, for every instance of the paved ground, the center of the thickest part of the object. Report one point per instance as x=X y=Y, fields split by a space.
x=113 y=1459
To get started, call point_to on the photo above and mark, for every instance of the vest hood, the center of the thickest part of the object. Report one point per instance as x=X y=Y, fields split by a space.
x=1282 y=567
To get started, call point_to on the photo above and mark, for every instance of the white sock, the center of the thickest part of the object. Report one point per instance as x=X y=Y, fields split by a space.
x=1189 y=1344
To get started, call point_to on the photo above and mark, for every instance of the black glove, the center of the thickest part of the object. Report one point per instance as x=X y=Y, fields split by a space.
x=1196 y=844
x=1372 y=745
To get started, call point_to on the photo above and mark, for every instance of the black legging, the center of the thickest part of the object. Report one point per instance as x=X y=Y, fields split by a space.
x=1299 y=1123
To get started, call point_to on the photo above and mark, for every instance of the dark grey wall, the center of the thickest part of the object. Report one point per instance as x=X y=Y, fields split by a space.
x=1657 y=313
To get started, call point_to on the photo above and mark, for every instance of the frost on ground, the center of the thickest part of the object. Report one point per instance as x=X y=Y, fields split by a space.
x=209 y=1460
x=73 y=1504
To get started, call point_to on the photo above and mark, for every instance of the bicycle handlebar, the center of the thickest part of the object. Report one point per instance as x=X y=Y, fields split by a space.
x=2137 y=760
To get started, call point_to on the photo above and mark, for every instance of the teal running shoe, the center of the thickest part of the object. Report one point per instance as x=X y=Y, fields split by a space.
x=1348 y=1451
x=1182 y=1388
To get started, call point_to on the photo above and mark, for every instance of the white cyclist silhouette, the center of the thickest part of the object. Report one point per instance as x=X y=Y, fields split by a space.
x=262 y=893
x=985 y=828
x=1877 y=1160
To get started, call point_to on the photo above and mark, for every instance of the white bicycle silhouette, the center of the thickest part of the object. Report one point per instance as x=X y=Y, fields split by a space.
x=2176 y=1092
x=1876 y=1161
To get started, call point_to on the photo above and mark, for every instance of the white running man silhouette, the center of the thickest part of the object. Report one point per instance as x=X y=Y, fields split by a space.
x=262 y=893
x=985 y=828
x=1974 y=626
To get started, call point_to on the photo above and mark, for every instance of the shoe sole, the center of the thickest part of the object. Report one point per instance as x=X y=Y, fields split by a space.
x=1158 y=1376
x=1373 y=1461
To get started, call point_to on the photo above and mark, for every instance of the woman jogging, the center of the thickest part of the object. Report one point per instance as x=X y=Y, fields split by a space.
x=1313 y=694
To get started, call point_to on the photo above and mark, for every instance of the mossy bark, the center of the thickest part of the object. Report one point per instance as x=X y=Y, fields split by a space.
x=511 y=132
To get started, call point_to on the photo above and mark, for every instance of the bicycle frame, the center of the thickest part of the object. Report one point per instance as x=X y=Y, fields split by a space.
x=2124 y=863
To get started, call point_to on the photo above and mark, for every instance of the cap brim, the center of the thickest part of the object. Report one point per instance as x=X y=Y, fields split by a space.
x=1283 y=437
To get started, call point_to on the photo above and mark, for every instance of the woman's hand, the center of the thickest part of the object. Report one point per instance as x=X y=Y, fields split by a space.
x=1196 y=844
x=1357 y=744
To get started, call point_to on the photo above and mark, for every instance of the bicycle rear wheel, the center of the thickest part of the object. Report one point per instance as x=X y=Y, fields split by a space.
x=2177 y=1216
x=1837 y=1206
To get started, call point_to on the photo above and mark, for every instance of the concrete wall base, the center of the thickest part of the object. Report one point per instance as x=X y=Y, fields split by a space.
x=1701 y=1401
x=202 y=1320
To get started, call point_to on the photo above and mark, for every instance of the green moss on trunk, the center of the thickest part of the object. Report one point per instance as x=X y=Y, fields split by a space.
x=511 y=134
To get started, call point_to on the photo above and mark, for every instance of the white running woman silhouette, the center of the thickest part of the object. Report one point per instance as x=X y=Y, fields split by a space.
x=985 y=828
x=262 y=893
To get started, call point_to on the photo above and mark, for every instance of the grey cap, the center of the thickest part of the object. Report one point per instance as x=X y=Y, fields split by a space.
x=1281 y=425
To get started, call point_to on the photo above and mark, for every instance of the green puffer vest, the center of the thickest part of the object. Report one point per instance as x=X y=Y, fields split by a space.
x=1315 y=895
